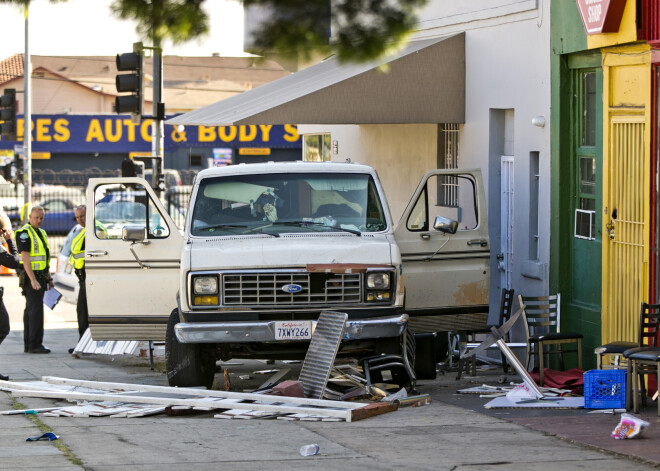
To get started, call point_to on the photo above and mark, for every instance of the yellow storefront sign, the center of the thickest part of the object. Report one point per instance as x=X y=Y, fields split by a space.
x=254 y=151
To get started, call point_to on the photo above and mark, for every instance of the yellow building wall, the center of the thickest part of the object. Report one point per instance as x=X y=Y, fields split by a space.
x=626 y=187
x=627 y=30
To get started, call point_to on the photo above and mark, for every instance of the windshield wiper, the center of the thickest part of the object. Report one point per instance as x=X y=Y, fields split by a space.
x=223 y=226
x=316 y=224
x=261 y=231
x=247 y=229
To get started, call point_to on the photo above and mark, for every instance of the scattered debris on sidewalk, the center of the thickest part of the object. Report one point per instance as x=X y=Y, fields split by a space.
x=50 y=436
x=105 y=347
x=97 y=399
x=519 y=395
x=629 y=426
x=301 y=399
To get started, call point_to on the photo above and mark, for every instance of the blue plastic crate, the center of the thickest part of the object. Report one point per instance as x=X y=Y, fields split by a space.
x=605 y=389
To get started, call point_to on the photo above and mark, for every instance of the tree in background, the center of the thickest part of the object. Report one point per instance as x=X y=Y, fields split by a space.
x=176 y=20
x=362 y=29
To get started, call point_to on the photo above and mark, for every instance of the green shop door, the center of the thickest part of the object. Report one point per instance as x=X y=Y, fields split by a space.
x=582 y=309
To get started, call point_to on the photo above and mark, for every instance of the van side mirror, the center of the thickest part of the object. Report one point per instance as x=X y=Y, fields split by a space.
x=446 y=225
x=133 y=233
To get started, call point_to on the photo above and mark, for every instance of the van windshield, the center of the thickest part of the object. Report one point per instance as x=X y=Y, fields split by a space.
x=287 y=202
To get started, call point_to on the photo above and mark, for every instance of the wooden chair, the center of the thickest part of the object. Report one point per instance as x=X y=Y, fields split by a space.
x=644 y=359
x=542 y=325
x=506 y=308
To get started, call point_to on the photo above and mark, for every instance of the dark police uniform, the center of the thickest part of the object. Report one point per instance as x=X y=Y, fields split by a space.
x=35 y=242
x=8 y=258
x=77 y=260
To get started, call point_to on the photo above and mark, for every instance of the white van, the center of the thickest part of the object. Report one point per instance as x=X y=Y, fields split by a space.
x=267 y=247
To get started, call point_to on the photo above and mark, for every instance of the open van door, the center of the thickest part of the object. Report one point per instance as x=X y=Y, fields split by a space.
x=445 y=249
x=132 y=260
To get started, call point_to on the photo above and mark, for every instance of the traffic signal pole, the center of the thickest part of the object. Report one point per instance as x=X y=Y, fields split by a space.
x=133 y=82
x=27 y=124
x=158 y=136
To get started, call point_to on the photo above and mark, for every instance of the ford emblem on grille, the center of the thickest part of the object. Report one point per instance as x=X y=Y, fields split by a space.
x=291 y=288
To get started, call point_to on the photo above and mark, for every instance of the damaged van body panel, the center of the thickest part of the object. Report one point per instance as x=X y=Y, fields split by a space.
x=267 y=247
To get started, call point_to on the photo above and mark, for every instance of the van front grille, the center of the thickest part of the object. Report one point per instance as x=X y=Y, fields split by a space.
x=291 y=288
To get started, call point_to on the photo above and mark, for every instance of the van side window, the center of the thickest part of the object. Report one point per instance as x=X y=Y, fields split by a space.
x=449 y=196
x=417 y=221
x=117 y=206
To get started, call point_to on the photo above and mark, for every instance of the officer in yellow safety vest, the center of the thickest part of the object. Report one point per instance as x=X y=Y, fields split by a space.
x=77 y=260
x=34 y=277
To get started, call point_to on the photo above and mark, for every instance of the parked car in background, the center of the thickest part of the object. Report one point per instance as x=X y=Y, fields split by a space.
x=59 y=218
x=59 y=215
x=65 y=280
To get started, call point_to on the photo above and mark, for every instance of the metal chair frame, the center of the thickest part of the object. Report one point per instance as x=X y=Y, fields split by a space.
x=647 y=346
x=506 y=309
x=542 y=325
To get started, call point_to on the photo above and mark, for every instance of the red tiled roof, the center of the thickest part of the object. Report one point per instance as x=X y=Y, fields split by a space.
x=11 y=68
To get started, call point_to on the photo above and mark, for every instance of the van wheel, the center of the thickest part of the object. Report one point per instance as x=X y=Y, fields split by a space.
x=187 y=365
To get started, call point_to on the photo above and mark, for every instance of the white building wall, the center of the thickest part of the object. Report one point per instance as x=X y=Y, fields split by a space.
x=507 y=53
x=400 y=153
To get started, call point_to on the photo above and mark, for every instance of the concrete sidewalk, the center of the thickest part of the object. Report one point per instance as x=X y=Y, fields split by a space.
x=454 y=432
x=446 y=435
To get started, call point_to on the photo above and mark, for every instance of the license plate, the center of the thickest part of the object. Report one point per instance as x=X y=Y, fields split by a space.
x=293 y=330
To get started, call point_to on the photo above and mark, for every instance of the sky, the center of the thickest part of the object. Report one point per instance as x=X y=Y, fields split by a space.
x=87 y=27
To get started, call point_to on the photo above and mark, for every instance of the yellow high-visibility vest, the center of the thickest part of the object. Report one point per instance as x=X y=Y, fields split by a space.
x=77 y=256
x=38 y=249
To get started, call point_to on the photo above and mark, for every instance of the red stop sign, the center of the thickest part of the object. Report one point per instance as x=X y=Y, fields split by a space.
x=601 y=16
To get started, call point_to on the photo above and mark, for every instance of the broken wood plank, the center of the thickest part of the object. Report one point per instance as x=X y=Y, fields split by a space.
x=371 y=410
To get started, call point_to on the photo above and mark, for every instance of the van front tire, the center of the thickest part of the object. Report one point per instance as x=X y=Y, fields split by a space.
x=187 y=365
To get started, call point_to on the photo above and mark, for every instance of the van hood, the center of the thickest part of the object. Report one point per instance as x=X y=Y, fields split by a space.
x=288 y=251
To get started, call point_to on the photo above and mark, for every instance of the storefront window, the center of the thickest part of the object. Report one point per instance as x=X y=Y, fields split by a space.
x=589 y=109
x=585 y=210
x=316 y=148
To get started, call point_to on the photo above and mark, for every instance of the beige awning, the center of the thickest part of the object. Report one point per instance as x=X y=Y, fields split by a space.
x=423 y=83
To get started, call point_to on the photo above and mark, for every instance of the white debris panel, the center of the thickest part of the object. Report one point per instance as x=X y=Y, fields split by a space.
x=95 y=398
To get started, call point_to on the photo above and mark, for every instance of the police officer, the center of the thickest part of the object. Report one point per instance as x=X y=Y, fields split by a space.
x=8 y=258
x=77 y=260
x=34 y=277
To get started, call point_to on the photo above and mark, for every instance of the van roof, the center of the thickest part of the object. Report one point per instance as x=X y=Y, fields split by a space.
x=291 y=167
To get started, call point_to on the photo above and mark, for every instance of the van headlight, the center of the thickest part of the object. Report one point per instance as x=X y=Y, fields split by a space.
x=205 y=291
x=378 y=280
x=379 y=287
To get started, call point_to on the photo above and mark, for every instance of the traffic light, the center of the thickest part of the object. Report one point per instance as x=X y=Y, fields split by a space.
x=132 y=82
x=131 y=168
x=8 y=114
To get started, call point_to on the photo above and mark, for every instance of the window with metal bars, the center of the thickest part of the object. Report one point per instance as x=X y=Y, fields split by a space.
x=448 y=134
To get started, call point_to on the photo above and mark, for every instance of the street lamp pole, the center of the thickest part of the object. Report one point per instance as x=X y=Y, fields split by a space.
x=27 y=122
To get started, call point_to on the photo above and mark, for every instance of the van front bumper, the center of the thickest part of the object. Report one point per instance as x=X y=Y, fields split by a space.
x=264 y=331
